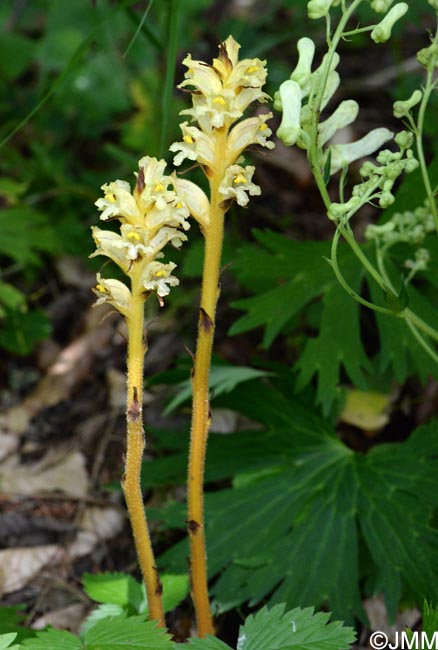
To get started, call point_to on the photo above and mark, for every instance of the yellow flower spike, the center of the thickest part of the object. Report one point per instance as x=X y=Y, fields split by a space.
x=110 y=197
x=159 y=187
x=221 y=92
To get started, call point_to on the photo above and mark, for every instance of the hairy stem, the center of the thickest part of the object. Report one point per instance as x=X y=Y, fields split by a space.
x=134 y=455
x=201 y=407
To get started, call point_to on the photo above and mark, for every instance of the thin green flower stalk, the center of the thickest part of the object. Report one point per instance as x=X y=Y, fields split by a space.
x=151 y=216
x=309 y=122
x=215 y=138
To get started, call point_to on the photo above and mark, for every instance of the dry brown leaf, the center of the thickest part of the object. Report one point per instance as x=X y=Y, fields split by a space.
x=67 y=618
x=378 y=616
x=72 y=365
x=96 y=525
x=18 y=566
x=57 y=471
x=8 y=444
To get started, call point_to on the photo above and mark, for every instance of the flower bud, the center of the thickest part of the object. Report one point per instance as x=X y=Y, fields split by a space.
x=381 y=6
x=290 y=94
x=318 y=8
x=303 y=70
x=402 y=108
x=428 y=55
x=382 y=31
x=337 y=210
x=404 y=139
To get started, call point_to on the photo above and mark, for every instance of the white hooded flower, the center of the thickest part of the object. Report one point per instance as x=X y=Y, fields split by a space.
x=290 y=95
x=195 y=145
x=113 y=292
x=345 y=114
x=253 y=130
x=118 y=202
x=237 y=184
x=343 y=154
x=157 y=277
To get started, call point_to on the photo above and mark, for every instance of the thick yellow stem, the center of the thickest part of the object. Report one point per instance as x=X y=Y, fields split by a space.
x=201 y=406
x=134 y=455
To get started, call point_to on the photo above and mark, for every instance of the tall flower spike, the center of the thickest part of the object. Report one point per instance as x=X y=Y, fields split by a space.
x=215 y=138
x=151 y=216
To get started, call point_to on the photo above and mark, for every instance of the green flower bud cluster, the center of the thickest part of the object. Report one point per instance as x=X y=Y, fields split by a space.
x=403 y=108
x=391 y=164
x=409 y=227
x=428 y=55
x=420 y=261
x=379 y=178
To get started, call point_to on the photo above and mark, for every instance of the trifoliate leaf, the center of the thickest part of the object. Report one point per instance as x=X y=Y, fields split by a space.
x=299 y=629
x=121 y=633
x=115 y=588
x=105 y=610
x=53 y=640
x=120 y=593
x=207 y=643
x=6 y=640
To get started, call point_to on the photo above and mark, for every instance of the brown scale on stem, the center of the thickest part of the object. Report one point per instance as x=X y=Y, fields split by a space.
x=205 y=321
x=134 y=410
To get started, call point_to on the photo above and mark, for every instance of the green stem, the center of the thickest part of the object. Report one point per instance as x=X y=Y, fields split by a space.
x=428 y=89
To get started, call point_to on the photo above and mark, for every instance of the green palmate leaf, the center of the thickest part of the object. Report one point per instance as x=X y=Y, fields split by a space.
x=400 y=349
x=430 y=619
x=21 y=330
x=222 y=380
x=339 y=341
x=295 y=534
x=295 y=273
x=290 y=274
x=24 y=232
x=11 y=297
